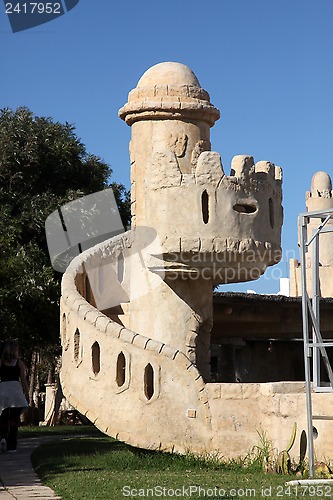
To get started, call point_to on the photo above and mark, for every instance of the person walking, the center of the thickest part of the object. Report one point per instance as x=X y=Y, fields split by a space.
x=13 y=395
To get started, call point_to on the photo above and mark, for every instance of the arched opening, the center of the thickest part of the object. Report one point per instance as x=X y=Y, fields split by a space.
x=96 y=358
x=76 y=344
x=205 y=206
x=271 y=212
x=64 y=331
x=149 y=381
x=121 y=369
x=120 y=268
x=245 y=208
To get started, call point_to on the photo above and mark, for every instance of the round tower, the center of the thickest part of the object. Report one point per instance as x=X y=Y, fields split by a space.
x=320 y=198
x=179 y=187
x=170 y=115
x=210 y=227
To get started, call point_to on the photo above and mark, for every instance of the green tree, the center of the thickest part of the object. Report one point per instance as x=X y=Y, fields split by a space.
x=43 y=165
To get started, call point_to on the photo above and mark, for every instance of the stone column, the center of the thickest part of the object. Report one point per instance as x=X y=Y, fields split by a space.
x=170 y=115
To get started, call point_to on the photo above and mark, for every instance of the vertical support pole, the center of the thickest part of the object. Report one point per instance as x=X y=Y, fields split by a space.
x=307 y=349
x=315 y=307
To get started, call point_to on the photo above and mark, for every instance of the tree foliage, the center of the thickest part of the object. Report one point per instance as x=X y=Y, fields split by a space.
x=43 y=165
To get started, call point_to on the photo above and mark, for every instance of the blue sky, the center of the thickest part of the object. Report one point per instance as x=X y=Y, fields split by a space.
x=268 y=66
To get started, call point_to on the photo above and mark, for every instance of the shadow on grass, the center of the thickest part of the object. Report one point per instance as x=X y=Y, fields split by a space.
x=106 y=454
x=99 y=467
x=73 y=454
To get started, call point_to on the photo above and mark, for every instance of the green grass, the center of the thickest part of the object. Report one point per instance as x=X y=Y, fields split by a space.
x=62 y=430
x=93 y=468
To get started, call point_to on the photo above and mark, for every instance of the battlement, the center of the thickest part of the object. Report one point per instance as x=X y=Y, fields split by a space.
x=180 y=188
x=236 y=218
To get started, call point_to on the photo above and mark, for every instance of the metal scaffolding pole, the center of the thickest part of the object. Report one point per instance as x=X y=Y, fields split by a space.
x=315 y=307
x=307 y=350
x=315 y=347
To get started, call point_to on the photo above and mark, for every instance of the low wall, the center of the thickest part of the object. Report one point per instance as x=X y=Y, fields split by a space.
x=240 y=412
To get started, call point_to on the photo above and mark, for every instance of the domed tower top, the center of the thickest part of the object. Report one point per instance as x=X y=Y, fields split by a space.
x=321 y=196
x=169 y=90
x=168 y=73
x=321 y=184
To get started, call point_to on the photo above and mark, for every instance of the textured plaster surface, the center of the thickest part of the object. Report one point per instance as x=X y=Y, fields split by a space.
x=136 y=348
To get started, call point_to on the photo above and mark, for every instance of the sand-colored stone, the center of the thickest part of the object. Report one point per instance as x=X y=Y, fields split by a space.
x=320 y=197
x=142 y=374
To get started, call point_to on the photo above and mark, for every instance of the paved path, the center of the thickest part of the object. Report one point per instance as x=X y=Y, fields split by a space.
x=18 y=480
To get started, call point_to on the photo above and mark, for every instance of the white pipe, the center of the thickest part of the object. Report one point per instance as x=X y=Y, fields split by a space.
x=309 y=481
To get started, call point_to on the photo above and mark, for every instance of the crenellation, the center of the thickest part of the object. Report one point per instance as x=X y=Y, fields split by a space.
x=278 y=174
x=266 y=167
x=209 y=170
x=242 y=166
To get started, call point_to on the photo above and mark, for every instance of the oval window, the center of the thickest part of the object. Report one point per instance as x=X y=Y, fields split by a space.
x=76 y=344
x=149 y=381
x=271 y=212
x=64 y=331
x=96 y=358
x=205 y=206
x=121 y=370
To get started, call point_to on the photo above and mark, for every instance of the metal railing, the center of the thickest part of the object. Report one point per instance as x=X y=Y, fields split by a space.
x=314 y=345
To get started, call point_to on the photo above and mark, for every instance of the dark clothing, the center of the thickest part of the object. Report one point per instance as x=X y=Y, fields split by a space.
x=9 y=422
x=10 y=416
x=8 y=373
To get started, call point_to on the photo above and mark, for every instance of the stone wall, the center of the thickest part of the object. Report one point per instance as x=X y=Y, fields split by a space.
x=240 y=412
